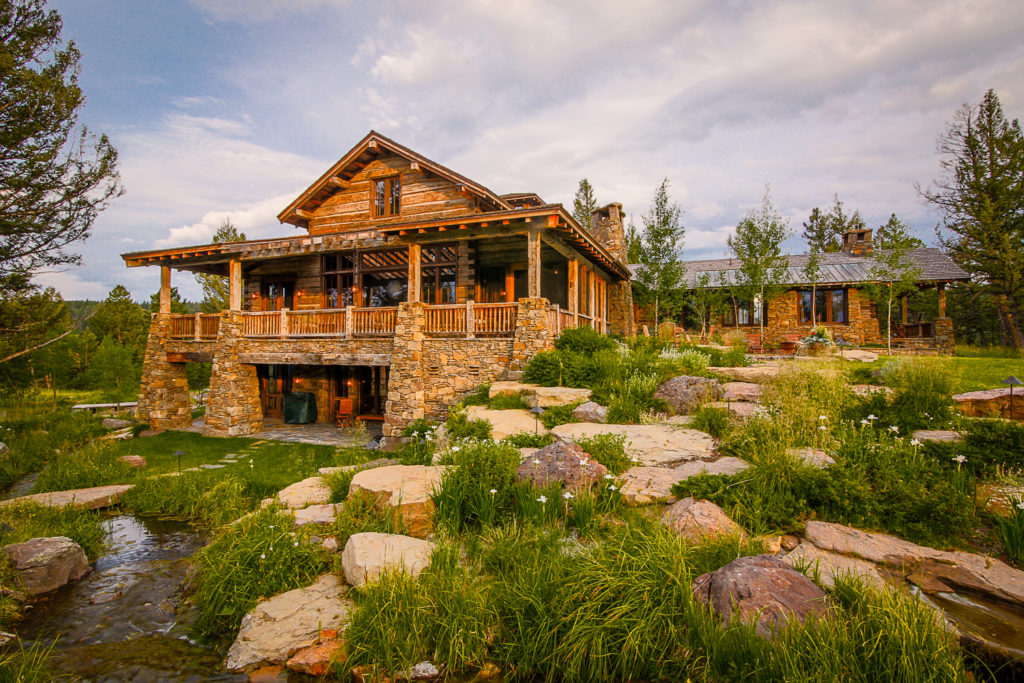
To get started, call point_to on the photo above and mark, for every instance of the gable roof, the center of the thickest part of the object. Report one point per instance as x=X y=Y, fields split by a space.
x=836 y=268
x=365 y=151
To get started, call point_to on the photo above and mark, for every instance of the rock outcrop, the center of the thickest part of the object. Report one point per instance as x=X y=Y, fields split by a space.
x=406 y=490
x=647 y=485
x=93 y=498
x=652 y=445
x=590 y=412
x=368 y=555
x=505 y=423
x=301 y=494
x=685 y=393
x=697 y=519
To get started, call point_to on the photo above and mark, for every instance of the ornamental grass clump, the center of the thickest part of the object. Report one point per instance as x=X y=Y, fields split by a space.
x=1011 y=531
x=258 y=557
x=24 y=521
x=360 y=514
x=93 y=465
x=922 y=396
x=478 y=489
x=712 y=420
x=607 y=449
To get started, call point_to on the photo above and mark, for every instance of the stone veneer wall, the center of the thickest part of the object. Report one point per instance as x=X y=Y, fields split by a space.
x=784 y=319
x=163 y=391
x=233 y=407
x=944 y=339
x=533 y=331
x=606 y=227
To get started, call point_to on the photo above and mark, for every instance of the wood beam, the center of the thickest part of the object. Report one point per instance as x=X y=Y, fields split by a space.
x=903 y=309
x=942 y=299
x=304 y=215
x=235 y=284
x=338 y=182
x=165 y=289
x=415 y=273
x=533 y=272
x=372 y=144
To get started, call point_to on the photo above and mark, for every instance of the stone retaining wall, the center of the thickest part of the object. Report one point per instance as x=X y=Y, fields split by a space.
x=163 y=391
x=233 y=407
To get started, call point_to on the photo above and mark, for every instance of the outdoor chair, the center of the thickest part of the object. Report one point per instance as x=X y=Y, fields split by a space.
x=344 y=411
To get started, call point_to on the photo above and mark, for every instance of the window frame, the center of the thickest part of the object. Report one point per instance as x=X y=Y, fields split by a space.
x=804 y=308
x=731 y=314
x=391 y=204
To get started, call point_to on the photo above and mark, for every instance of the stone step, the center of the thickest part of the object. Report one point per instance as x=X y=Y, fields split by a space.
x=92 y=498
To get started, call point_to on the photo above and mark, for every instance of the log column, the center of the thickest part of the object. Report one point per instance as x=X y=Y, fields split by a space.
x=415 y=273
x=942 y=299
x=903 y=309
x=574 y=288
x=533 y=264
x=235 y=284
x=165 y=289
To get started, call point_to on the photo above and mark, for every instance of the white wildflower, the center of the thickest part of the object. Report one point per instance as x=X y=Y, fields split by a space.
x=542 y=499
x=567 y=495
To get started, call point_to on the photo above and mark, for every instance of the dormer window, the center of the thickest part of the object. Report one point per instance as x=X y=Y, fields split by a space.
x=387 y=196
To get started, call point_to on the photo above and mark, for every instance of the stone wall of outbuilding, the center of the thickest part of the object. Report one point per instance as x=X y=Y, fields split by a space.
x=163 y=391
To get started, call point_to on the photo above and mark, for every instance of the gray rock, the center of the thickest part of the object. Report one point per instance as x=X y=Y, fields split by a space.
x=4 y=450
x=564 y=462
x=45 y=564
x=762 y=588
x=697 y=519
x=367 y=555
x=653 y=445
x=115 y=423
x=685 y=393
x=812 y=456
x=590 y=412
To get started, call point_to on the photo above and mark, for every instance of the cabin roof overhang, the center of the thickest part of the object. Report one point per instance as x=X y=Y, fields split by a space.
x=366 y=150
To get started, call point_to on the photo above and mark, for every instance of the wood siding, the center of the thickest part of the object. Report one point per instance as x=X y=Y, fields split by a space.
x=424 y=196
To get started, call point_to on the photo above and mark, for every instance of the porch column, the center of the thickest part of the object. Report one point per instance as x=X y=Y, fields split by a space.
x=415 y=273
x=903 y=309
x=574 y=286
x=533 y=264
x=235 y=284
x=942 y=299
x=165 y=289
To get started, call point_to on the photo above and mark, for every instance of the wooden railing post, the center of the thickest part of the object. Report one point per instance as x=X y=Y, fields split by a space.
x=349 y=321
x=470 y=320
x=558 y=320
x=198 y=331
x=283 y=325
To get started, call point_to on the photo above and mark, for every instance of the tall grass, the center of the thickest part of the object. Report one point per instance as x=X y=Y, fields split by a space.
x=37 y=435
x=92 y=465
x=479 y=488
x=208 y=497
x=25 y=521
x=1011 y=532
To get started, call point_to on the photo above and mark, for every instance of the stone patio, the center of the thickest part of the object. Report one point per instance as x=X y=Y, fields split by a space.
x=317 y=433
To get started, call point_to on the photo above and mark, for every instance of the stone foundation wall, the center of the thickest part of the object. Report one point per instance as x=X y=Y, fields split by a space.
x=621 y=314
x=784 y=319
x=533 y=331
x=163 y=391
x=233 y=407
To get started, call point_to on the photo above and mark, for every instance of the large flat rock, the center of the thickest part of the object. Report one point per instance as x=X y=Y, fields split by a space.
x=991 y=403
x=697 y=519
x=752 y=373
x=829 y=565
x=301 y=494
x=93 y=498
x=648 y=485
x=505 y=423
x=404 y=489
x=742 y=391
x=368 y=555
x=937 y=435
x=534 y=395
x=281 y=626
x=653 y=445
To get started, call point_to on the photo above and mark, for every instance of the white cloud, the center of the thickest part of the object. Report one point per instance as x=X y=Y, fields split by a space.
x=72 y=285
x=256 y=220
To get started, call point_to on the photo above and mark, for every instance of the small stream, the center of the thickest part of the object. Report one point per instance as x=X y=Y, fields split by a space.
x=123 y=621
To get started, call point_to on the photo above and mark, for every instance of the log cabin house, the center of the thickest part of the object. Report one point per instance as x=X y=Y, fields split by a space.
x=408 y=286
x=839 y=300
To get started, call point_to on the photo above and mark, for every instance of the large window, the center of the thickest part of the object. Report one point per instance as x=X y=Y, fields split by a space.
x=830 y=306
x=438 y=265
x=368 y=278
x=744 y=313
x=387 y=196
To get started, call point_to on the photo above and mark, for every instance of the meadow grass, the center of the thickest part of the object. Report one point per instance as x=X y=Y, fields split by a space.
x=974 y=372
x=35 y=435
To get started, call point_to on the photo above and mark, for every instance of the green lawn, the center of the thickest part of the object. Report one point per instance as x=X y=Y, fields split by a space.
x=972 y=373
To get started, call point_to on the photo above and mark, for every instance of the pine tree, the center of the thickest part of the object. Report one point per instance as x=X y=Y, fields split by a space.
x=980 y=197
x=217 y=288
x=584 y=203
x=823 y=229
x=661 y=269
x=895 y=231
x=120 y=318
x=893 y=272
x=757 y=244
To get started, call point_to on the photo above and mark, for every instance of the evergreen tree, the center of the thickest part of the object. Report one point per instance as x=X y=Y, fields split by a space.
x=980 y=197
x=895 y=231
x=114 y=370
x=634 y=243
x=177 y=305
x=54 y=177
x=823 y=229
x=893 y=272
x=123 y=320
x=584 y=203
x=217 y=288
x=661 y=269
x=30 y=319
x=757 y=244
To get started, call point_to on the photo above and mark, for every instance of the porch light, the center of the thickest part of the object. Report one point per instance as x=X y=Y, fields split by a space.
x=1012 y=381
x=536 y=410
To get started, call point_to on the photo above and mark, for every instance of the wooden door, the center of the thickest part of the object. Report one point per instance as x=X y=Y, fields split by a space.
x=278 y=294
x=275 y=382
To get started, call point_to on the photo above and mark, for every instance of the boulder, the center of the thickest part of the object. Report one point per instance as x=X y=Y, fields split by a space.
x=269 y=674
x=281 y=626
x=315 y=660
x=92 y=498
x=861 y=355
x=42 y=565
x=741 y=391
x=404 y=489
x=590 y=412
x=762 y=588
x=685 y=393
x=812 y=456
x=653 y=445
x=760 y=374
x=828 y=566
x=928 y=568
x=301 y=494
x=509 y=389
x=991 y=403
x=115 y=423
x=550 y=397
x=697 y=519
x=647 y=485
x=132 y=460
x=738 y=408
x=505 y=423
x=938 y=435
x=368 y=555
x=368 y=465
x=563 y=462
x=316 y=514
x=4 y=450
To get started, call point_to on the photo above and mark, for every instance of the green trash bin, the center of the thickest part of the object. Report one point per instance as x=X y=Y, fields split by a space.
x=299 y=408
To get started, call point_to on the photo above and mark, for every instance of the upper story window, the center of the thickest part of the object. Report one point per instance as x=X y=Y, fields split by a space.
x=387 y=196
x=830 y=306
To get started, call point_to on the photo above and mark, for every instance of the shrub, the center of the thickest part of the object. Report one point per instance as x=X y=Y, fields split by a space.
x=507 y=402
x=459 y=426
x=339 y=483
x=259 y=557
x=714 y=421
x=607 y=449
x=922 y=396
x=545 y=369
x=584 y=341
x=684 y=361
x=526 y=440
x=479 y=396
x=988 y=445
x=558 y=415
x=478 y=489
x=634 y=396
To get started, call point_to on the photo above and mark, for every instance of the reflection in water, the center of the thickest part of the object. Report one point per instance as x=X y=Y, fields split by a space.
x=120 y=623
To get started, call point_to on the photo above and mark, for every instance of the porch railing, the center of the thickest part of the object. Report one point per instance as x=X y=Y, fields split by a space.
x=562 y=320
x=374 y=322
x=198 y=326
x=327 y=322
x=472 y=320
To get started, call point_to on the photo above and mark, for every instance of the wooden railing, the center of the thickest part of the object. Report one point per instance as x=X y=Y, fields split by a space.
x=562 y=320
x=261 y=323
x=318 y=323
x=374 y=322
x=472 y=320
x=196 y=326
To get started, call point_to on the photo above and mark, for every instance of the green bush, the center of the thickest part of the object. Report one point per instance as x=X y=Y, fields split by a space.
x=989 y=445
x=339 y=483
x=558 y=415
x=584 y=341
x=478 y=489
x=259 y=557
x=544 y=368
x=479 y=397
x=607 y=449
x=460 y=427
x=526 y=440
x=1011 y=531
x=360 y=514
x=507 y=402
x=922 y=396
x=208 y=497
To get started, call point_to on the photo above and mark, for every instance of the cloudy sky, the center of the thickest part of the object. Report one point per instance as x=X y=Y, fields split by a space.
x=230 y=108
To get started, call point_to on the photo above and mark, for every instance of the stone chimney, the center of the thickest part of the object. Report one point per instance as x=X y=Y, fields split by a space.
x=857 y=242
x=606 y=228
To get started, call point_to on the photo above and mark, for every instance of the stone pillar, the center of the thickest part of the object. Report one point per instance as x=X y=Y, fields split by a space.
x=406 y=393
x=944 y=340
x=163 y=391
x=620 y=309
x=233 y=408
x=533 y=331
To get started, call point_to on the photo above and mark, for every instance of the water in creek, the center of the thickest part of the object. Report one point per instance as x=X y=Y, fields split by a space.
x=123 y=621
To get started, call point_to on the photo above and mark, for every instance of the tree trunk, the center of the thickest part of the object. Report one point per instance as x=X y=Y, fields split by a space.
x=1008 y=321
x=888 y=322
